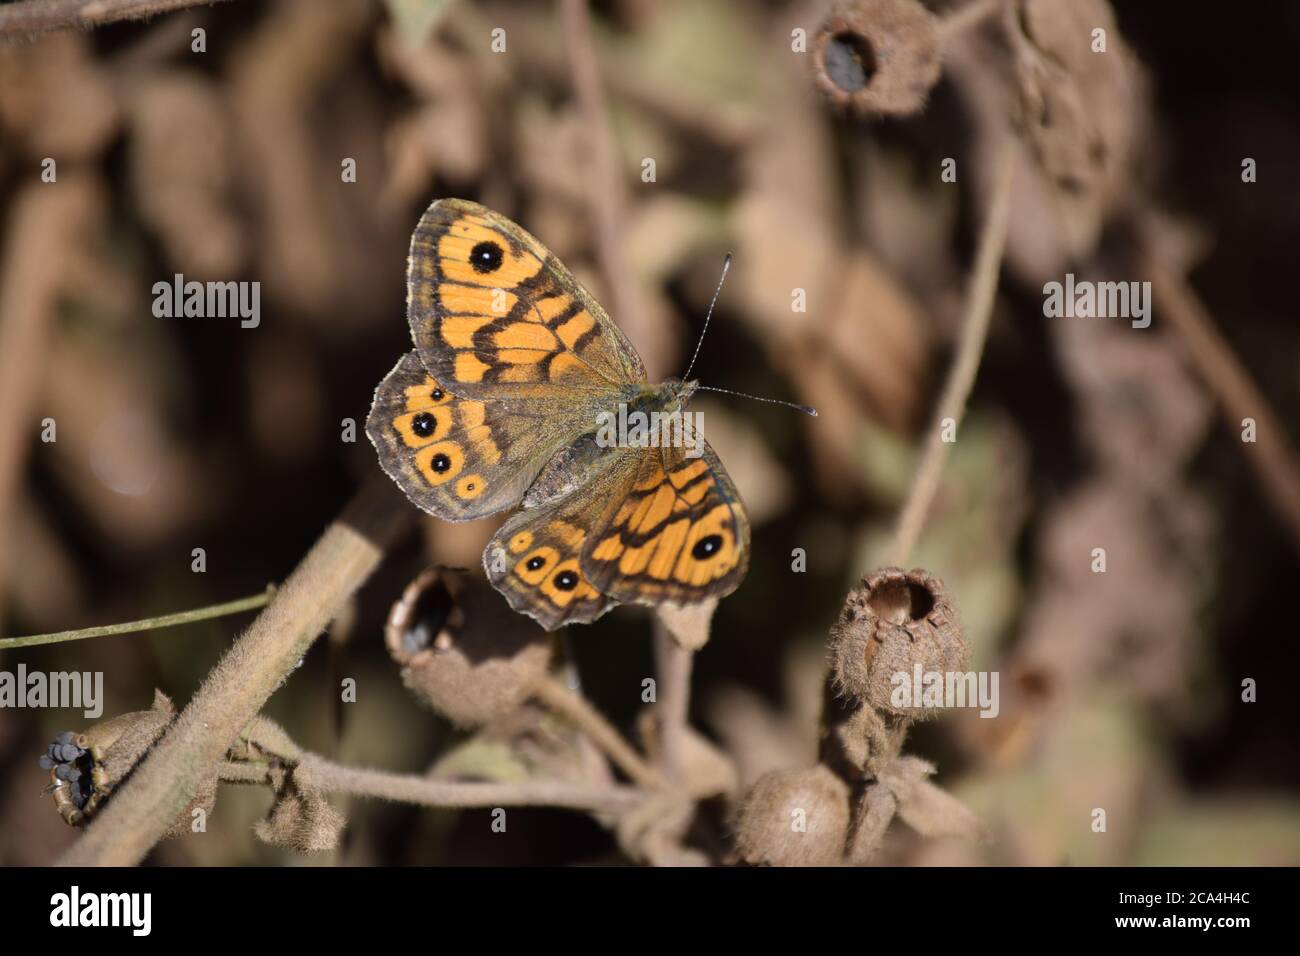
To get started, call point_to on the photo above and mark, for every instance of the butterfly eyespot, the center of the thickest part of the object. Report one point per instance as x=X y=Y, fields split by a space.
x=486 y=257
x=423 y=424
x=707 y=547
x=566 y=580
x=440 y=463
x=437 y=394
x=470 y=487
x=535 y=563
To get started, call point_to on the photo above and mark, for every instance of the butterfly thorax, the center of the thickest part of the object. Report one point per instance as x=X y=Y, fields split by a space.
x=591 y=453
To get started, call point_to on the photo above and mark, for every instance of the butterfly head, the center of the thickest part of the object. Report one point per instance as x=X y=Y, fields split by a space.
x=679 y=392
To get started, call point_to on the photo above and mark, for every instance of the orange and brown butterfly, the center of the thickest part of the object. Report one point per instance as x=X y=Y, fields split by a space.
x=498 y=406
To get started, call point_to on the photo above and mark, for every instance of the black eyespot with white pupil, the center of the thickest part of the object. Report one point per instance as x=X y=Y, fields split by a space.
x=535 y=563
x=436 y=394
x=440 y=463
x=486 y=257
x=423 y=424
x=707 y=547
x=566 y=580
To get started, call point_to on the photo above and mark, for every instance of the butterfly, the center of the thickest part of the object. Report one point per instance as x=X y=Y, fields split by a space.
x=501 y=402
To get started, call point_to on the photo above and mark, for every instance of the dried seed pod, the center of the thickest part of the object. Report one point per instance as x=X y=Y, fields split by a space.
x=462 y=649
x=85 y=767
x=794 y=818
x=891 y=622
x=878 y=57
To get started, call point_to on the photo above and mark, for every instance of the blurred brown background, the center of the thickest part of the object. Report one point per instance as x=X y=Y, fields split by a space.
x=1120 y=690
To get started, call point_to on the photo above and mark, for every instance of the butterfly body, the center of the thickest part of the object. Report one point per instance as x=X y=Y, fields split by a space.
x=509 y=398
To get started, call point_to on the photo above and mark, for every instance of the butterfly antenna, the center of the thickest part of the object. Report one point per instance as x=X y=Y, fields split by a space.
x=806 y=409
x=726 y=264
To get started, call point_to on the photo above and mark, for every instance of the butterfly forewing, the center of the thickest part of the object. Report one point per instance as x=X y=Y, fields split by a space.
x=457 y=458
x=495 y=315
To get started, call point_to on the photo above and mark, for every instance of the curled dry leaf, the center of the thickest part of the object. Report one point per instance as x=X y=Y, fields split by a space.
x=688 y=624
x=923 y=806
x=301 y=819
x=876 y=810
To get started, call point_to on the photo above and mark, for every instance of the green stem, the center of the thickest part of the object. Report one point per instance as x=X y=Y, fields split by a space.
x=148 y=624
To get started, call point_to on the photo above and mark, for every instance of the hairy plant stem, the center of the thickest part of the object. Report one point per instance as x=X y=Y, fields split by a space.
x=235 y=690
x=405 y=788
x=673 y=663
x=40 y=16
x=572 y=705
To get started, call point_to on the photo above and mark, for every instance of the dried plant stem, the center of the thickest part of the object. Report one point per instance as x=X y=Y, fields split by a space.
x=607 y=191
x=40 y=16
x=43 y=226
x=250 y=603
x=243 y=680
x=956 y=390
x=866 y=827
x=404 y=788
x=568 y=703
x=239 y=771
x=962 y=18
x=1271 y=455
x=673 y=664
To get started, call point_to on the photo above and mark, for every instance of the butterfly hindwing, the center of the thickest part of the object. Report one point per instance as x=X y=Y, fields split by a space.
x=495 y=315
x=675 y=531
x=535 y=561
x=457 y=458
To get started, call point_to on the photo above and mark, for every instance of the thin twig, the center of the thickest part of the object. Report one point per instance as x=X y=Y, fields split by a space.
x=952 y=405
x=962 y=18
x=40 y=16
x=42 y=228
x=607 y=192
x=961 y=377
x=251 y=603
x=576 y=708
x=404 y=788
x=235 y=690
x=1271 y=455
